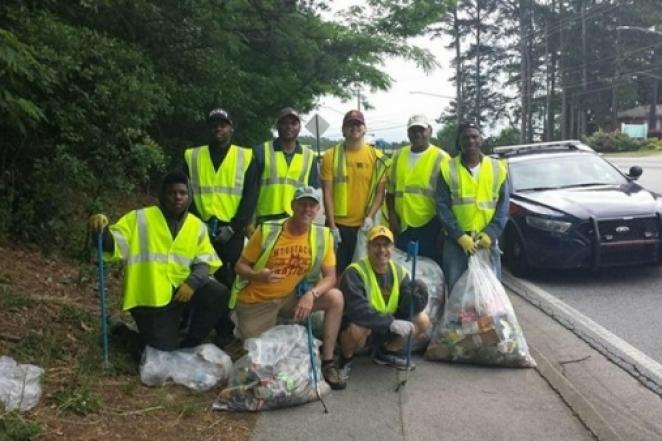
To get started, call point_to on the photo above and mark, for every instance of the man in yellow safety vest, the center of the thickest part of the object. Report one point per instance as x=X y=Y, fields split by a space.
x=410 y=195
x=353 y=180
x=278 y=257
x=283 y=165
x=378 y=293
x=169 y=262
x=472 y=202
x=224 y=187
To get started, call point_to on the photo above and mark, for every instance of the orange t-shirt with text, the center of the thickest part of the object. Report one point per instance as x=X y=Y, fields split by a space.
x=290 y=256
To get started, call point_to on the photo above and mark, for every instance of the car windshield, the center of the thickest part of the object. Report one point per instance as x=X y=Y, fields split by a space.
x=555 y=172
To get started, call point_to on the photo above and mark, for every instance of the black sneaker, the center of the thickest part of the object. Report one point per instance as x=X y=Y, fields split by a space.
x=392 y=359
x=332 y=376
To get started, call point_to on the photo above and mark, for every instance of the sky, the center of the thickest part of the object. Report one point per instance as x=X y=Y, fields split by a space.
x=391 y=109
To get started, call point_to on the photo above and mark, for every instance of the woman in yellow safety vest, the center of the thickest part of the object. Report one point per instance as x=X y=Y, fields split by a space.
x=169 y=262
x=472 y=202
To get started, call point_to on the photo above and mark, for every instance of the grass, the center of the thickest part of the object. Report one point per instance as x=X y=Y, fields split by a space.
x=38 y=349
x=16 y=428
x=635 y=153
x=79 y=401
x=13 y=301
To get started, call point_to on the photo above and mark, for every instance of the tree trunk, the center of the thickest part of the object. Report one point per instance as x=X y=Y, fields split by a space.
x=458 y=69
x=478 y=86
x=581 y=126
x=564 y=89
x=523 y=71
x=614 y=84
x=652 y=111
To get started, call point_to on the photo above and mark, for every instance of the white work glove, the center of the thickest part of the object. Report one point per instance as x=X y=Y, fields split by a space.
x=401 y=327
x=336 y=236
x=368 y=223
x=224 y=234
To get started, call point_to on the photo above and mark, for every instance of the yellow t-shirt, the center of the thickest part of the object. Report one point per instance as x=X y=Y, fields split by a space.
x=360 y=168
x=290 y=256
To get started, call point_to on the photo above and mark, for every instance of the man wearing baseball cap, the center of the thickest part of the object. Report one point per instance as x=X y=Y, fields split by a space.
x=283 y=165
x=410 y=194
x=353 y=179
x=378 y=293
x=278 y=257
x=224 y=189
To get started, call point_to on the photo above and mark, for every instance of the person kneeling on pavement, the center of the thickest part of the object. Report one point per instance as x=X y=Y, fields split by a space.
x=278 y=257
x=168 y=263
x=377 y=293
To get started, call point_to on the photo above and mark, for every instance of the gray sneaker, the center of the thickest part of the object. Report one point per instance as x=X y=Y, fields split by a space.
x=345 y=370
x=392 y=359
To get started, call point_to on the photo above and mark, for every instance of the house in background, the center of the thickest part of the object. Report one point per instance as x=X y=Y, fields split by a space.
x=634 y=122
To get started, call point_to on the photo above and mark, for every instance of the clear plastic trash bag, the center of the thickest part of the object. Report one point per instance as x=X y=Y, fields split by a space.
x=20 y=384
x=200 y=368
x=274 y=373
x=479 y=325
x=429 y=273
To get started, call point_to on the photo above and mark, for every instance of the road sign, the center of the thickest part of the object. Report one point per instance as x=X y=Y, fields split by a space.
x=317 y=125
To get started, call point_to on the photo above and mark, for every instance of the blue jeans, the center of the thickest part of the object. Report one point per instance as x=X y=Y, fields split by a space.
x=455 y=262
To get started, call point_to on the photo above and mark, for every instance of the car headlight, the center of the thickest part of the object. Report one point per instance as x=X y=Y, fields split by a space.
x=555 y=226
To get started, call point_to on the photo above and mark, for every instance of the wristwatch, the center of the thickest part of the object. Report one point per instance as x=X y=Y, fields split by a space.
x=316 y=293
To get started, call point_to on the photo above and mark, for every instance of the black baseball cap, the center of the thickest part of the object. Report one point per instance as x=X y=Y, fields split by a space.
x=219 y=114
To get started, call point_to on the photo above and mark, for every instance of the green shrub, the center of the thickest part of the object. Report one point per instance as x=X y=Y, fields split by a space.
x=78 y=400
x=14 y=427
x=610 y=142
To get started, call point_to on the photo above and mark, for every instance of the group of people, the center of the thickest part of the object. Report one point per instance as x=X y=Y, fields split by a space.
x=188 y=266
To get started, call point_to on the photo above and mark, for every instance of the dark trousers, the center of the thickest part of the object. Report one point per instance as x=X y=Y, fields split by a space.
x=429 y=237
x=229 y=254
x=345 y=251
x=159 y=326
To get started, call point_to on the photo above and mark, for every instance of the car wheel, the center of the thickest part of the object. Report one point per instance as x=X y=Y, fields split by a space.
x=516 y=254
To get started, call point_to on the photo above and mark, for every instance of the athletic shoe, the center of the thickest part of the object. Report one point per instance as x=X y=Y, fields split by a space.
x=345 y=369
x=332 y=376
x=392 y=359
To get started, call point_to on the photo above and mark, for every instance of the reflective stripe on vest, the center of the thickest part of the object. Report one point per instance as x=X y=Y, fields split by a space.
x=279 y=180
x=474 y=202
x=270 y=233
x=375 y=297
x=217 y=193
x=340 y=182
x=157 y=263
x=415 y=187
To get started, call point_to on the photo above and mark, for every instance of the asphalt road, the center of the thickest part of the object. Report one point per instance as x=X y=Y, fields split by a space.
x=626 y=301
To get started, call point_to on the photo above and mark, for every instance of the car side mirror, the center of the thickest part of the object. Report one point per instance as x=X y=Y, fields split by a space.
x=635 y=172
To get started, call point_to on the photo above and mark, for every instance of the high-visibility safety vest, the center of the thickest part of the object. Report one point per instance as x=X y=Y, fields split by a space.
x=474 y=202
x=217 y=193
x=280 y=180
x=340 y=187
x=318 y=237
x=375 y=297
x=415 y=187
x=156 y=263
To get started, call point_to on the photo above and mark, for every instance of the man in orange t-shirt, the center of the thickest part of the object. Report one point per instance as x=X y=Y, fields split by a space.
x=277 y=258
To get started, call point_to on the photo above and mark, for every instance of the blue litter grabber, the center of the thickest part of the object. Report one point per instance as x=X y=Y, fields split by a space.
x=412 y=254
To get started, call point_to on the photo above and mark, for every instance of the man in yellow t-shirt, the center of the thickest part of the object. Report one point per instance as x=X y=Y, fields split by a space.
x=353 y=188
x=277 y=258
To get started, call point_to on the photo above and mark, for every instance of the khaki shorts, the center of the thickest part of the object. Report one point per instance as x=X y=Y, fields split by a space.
x=255 y=318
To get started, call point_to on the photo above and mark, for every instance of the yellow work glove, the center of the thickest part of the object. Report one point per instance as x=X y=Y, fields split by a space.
x=483 y=240
x=97 y=222
x=184 y=293
x=467 y=244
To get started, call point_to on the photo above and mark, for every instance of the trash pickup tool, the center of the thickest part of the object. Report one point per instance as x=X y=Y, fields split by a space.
x=102 y=300
x=412 y=253
x=301 y=290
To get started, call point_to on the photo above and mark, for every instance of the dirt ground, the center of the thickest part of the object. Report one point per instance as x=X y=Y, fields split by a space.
x=49 y=316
